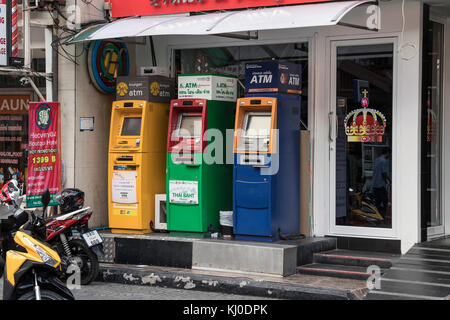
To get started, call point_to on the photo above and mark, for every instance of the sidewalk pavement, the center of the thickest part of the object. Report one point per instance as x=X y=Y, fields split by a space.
x=296 y=287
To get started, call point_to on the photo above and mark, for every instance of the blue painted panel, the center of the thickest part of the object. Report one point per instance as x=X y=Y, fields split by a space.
x=250 y=194
x=252 y=222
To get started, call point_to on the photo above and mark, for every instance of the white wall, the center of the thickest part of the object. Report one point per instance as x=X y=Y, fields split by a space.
x=406 y=200
x=84 y=154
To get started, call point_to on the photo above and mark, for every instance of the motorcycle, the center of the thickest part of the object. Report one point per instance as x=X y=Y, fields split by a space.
x=363 y=207
x=31 y=268
x=81 y=253
x=62 y=230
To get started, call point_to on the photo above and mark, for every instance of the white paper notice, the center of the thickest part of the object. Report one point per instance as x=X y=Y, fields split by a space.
x=124 y=187
x=183 y=191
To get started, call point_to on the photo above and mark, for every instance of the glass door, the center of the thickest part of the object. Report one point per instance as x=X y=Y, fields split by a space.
x=431 y=167
x=361 y=128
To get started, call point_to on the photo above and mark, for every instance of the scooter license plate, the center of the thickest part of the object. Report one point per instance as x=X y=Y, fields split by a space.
x=92 y=238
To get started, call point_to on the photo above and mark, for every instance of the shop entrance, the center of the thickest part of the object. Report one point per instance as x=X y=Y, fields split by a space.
x=361 y=138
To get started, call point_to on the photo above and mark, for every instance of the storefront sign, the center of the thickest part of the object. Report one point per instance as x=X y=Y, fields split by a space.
x=44 y=168
x=364 y=124
x=183 y=192
x=14 y=104
x=122 y=8
x=207 y=86
x=151 y=88
x=5 y=32
x=124 y=186
x=107 y=60
x=273 y=76
x=13 y=137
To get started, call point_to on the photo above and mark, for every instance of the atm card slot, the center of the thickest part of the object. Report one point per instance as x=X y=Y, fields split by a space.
x=253 y=160
x=125 y=159
x=183 y=159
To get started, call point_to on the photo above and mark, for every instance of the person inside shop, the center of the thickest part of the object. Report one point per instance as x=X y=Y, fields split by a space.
x=381 y=181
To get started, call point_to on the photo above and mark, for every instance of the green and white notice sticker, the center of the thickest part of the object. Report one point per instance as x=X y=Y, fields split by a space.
x=209 y=87
x=181 y=191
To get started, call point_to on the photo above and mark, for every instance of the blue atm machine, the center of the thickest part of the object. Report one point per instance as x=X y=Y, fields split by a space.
x=266 y=175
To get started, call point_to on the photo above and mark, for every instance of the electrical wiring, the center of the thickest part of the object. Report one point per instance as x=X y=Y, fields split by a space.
x=89 y=2
x=406 y=44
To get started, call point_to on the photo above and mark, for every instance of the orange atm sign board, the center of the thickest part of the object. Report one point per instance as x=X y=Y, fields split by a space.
x=121 y=8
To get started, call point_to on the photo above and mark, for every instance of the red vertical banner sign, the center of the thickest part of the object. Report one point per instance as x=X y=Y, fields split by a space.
x=44 y=146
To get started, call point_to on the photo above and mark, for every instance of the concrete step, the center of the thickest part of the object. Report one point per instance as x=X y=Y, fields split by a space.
x=382 y=295
x=334 y=270
x=278 y=258
x=354 y=258
x=295 y=287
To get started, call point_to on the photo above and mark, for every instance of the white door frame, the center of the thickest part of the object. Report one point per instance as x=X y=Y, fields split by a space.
x=439 y=231
x=366 y=232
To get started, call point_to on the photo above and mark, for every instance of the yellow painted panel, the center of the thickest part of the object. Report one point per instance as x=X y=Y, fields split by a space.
x=136 y=172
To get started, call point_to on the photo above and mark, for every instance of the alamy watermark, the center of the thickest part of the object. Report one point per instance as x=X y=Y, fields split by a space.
x=373 y=21
x=74 y=277
x=220 y=147
x=374 y=280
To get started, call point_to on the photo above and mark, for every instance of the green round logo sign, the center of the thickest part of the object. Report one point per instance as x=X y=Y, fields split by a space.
x=43 y=117
x=107 y=60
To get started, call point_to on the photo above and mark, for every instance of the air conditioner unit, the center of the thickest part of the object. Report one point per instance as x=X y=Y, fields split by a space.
x=154 y=71
x=160 y=212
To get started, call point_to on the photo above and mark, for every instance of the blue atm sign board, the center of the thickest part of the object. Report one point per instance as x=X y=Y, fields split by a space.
x=273 y=76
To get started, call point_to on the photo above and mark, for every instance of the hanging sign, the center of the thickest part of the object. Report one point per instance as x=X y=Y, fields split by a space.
x=122 y=8
x=365 y=124
x=44 y=160
x=5 y=32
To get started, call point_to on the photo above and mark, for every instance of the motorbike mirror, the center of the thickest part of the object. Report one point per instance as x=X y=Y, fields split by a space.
x=46 y=198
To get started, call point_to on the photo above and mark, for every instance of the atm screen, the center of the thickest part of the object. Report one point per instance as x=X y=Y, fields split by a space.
x=131 y=126
x=257 y=124
x=189 y=126
x=256 y=131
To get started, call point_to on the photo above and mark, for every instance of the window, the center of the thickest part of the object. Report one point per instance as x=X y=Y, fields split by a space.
x=364 y=96
x=231 y=60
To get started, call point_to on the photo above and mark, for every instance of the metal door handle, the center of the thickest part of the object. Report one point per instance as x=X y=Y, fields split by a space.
x=337 y=128
x=330 y=119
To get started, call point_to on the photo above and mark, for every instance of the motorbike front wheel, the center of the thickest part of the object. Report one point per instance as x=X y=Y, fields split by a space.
x=45 y=295
x=86 y=260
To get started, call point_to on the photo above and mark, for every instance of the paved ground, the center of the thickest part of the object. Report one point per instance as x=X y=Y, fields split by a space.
x=423 y=273
x=115 y=291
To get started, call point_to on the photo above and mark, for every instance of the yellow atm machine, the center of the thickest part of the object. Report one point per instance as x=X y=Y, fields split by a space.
x=137 y=151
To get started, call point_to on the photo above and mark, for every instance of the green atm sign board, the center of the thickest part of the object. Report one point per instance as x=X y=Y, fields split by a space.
x=207 y=86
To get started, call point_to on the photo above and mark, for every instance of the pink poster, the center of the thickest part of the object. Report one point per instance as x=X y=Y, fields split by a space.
x=44 y=161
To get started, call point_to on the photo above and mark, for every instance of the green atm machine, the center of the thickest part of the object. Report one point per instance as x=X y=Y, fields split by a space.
x=199 y=180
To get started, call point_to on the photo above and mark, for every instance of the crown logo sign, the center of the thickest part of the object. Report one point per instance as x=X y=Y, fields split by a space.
x=364 y=124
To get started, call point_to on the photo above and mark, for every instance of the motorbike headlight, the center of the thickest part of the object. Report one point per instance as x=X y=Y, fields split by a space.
x=42 y=254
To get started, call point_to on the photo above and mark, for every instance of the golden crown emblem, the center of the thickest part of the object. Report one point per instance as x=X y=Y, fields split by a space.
x=365 y=124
